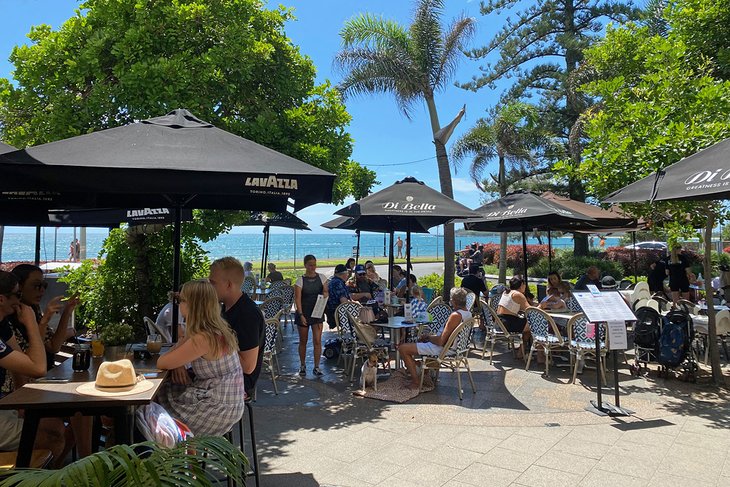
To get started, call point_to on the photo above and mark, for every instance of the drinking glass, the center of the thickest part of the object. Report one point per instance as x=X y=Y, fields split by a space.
x=154 y=343
x=97 y=346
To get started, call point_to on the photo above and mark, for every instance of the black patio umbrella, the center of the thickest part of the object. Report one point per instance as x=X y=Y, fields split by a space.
x=522 y=211
x=175 y=160
x=6 y=148
x=704 y=175
x=267 y=220
x=101 y=218
x=408 y=204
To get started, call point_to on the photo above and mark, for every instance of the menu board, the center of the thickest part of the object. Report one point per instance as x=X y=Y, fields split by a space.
x=605 y=306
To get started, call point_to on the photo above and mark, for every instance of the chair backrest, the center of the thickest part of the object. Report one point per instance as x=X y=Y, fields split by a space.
x=642 y=286
x=357 y=327
x=471 y=298
x=653 y=303
x=249 y=285
x=271 y=329
x=271 y=307
x=542 y=324
x=640 y=294
x=688 y=306
x=286 y=293
x=722 y=322
x=278 y=284
x=437 y=300
x=342 y=317
x=578 y=330
x=461 y=343
x=427 y=294
x=572 y=304
x=494 y=301
x=440 y=313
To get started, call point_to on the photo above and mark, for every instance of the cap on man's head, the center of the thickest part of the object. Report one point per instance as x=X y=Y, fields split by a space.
x=608 y=282
x=340 y=268
x=360 y=269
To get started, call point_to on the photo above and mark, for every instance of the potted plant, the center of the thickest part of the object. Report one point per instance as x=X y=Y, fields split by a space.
x=115 y=337
x=144 y=464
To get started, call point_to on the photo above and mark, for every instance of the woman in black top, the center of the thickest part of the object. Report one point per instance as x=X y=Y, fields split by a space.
x=306 y=290
x=678 y=272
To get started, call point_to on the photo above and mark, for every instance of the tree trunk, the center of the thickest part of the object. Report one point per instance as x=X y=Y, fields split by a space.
x=502 y=183
x=2 y=237
x=442 y=160
x=717 y=376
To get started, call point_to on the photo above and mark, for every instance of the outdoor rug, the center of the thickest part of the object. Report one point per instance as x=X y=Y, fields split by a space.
x=395 y=388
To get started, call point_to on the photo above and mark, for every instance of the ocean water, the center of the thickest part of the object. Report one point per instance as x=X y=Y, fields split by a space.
x=19 y=244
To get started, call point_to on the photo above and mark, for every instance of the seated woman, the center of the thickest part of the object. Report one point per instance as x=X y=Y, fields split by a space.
x=512 y=303
x=434 y=344
x=555 y=281
x=401 y=292
x=212 y=402
x=552 y=300
x=418 y=304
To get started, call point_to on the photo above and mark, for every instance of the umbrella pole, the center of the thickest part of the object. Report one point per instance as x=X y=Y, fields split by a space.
x=176 y=241
x=408 y=262
x=266 y=251
x=37 y=245
x=263 y=251
x=390 y=262
x=633 y=252
x=550 y=252
x=357 y=256
x=524 y=257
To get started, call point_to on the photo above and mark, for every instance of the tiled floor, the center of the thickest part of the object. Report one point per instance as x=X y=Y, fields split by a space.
x=520 y=428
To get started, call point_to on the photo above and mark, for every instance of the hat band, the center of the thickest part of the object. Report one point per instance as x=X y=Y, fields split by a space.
x=115 y=387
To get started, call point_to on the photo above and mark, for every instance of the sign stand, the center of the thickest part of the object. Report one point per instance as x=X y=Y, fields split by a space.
x=608 y=308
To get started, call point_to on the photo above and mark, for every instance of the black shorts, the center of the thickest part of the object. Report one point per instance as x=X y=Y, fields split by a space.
x=682 y=287
x=514 y=324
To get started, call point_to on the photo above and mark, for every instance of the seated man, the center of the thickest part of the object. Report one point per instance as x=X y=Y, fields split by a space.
x=338 y=293
x=434 y=344
x=362 y=288
x=32 y=364
x=474 y=283
x=592 y=276
x=273 y=274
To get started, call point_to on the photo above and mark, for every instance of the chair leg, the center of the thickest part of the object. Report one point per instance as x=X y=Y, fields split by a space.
x=423 y=374
x=253 y=445
x=491 y=351
x=529 y=356
x=273 y=375
x=352 y=370
x=471 y=379
x=578 y=356
x=546 y=350
x=458 y=381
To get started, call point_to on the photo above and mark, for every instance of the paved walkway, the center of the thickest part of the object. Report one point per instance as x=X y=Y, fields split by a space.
x=520 y=429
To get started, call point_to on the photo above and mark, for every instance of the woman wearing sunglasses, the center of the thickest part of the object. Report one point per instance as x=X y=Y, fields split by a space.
x=32 y=289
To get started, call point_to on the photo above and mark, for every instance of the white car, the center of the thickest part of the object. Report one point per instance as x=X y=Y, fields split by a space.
x=649 y=246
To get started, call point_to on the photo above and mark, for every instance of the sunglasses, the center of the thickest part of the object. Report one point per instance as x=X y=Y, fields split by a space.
x=40 y=285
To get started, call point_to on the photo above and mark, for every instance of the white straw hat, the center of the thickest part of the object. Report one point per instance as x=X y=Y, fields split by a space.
x=115 y=379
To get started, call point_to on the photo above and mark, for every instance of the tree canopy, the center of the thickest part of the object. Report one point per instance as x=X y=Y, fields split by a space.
x=229 y=62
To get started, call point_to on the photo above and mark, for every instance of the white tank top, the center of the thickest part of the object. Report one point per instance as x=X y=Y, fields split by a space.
x=510 y=304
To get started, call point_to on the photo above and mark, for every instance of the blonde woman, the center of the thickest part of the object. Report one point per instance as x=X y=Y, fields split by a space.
x=213 y=401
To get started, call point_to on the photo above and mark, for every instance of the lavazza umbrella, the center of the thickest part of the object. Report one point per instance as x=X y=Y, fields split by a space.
x=176 y=160
x=704 y=175
x=407 y=205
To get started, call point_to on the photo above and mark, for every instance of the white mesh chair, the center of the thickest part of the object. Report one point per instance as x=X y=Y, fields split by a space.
x=496 y=331
x=270 y=359
x=249 y=286
x=440 y=313
x=471 y=298
x=582 y=346
x=436 y=301
x=272 y=310
x=545 y=334
x=453 y=356
x=572 y=304
x=363 y=345
x=278 y=284
x=286 y=293
x=343 y=312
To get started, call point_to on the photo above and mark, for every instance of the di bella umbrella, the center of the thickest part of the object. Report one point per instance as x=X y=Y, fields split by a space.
x=176 y=160
x=267 y=220
x=408 y=204
x=521 y=211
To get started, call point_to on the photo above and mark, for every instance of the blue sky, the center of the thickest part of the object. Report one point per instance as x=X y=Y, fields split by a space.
x=384 y=139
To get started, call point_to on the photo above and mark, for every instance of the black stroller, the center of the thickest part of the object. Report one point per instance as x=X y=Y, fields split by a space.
x=647 y=331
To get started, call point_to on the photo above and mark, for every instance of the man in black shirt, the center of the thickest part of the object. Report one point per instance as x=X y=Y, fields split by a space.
x=245 y=318
x=474 y=283
x=592 y=276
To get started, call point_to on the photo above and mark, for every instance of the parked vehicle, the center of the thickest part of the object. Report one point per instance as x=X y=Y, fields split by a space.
x=649 y=246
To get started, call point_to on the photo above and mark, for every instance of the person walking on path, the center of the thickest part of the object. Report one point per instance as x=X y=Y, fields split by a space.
x=306 y=291
x=399 y=247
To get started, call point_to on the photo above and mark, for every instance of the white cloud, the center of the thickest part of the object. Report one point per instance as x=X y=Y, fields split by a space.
x=463 y=185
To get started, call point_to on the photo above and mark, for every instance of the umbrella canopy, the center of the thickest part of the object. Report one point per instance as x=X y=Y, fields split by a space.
x=104 y=218
x=372 y=224
x=176 y=159
x=603 y=219
x=6 y=148
x=704 y=175
x=522 y=211
x=408 y=202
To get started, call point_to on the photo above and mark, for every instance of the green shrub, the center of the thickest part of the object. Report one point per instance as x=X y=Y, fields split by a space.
x=571 y=266
x=436 y=282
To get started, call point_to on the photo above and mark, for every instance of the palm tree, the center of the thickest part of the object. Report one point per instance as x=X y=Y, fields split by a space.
x=511 y=135
x=412 y=63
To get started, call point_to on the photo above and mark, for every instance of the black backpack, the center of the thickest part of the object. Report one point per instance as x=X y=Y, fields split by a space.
x=676 y=338
x=648 y=328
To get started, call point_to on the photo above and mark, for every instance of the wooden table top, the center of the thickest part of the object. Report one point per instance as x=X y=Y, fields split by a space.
x=57 y=395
